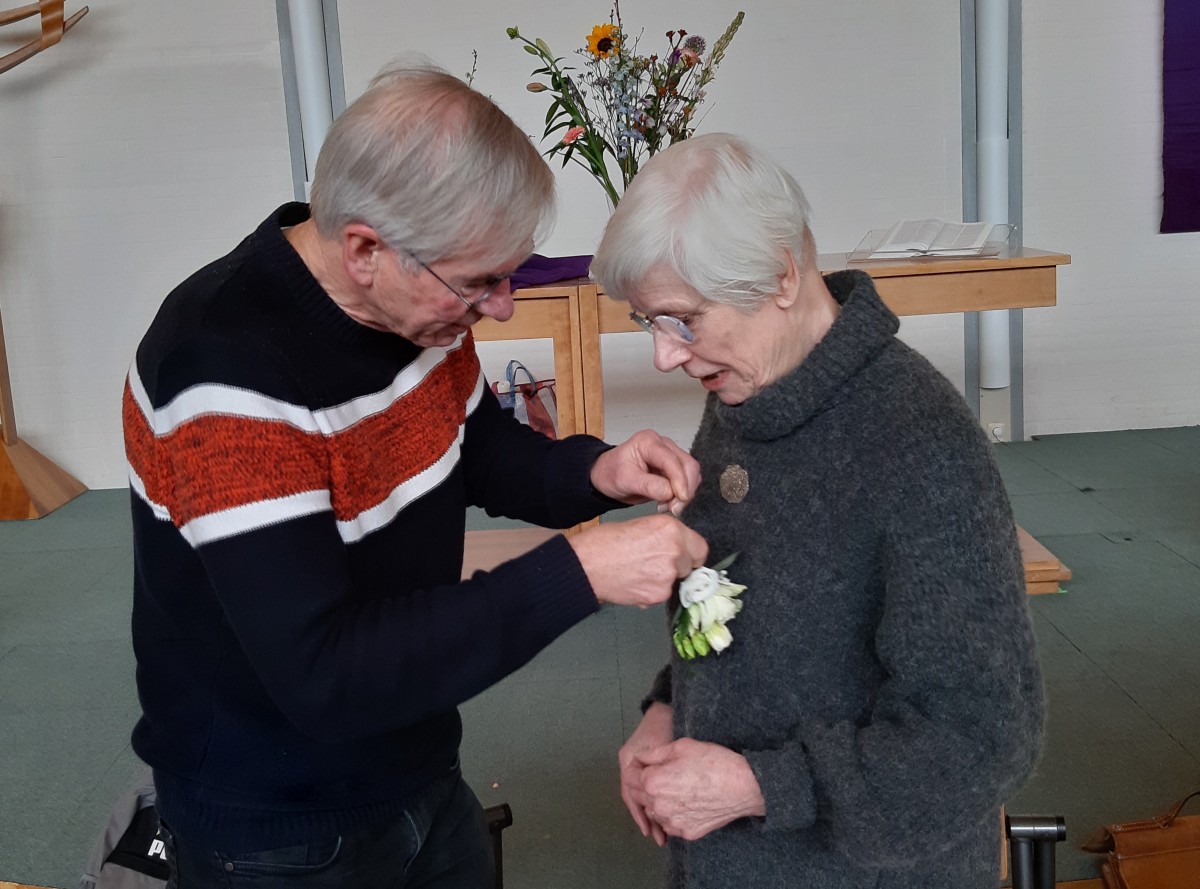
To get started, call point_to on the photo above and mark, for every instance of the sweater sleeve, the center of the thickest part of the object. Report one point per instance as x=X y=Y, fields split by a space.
x=342 y=666
x=514 y=471
x=956 y=724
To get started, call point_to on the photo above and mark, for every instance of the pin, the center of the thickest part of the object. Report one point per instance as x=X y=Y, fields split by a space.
x=735 y=483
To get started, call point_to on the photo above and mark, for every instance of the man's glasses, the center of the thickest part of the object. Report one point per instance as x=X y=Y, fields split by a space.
x=489 y=286
x=668 y=324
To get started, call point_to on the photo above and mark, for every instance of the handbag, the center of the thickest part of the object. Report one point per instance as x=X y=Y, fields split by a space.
x=534 y=402
x=128 y=854
x=1158 y=853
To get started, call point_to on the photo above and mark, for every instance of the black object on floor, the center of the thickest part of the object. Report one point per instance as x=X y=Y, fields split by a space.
x=498 y=818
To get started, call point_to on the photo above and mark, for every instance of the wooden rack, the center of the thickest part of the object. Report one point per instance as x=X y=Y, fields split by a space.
x=54 y=25
x=30 y=484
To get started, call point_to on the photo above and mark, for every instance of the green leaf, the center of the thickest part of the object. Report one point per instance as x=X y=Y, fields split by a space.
x=532 y=50
x=726 y=562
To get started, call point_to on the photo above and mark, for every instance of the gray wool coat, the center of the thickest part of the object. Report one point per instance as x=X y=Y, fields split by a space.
x=882 y=682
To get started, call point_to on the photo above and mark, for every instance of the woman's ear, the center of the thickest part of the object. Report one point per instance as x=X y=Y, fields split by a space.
x=789 y=283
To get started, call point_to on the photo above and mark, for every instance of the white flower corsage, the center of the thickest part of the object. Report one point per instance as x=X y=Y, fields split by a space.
x=707 y=602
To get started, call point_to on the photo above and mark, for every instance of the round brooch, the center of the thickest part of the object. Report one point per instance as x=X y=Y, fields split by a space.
x=735 y=483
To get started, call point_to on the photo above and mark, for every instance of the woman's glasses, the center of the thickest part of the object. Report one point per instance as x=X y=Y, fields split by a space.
x=667 y=324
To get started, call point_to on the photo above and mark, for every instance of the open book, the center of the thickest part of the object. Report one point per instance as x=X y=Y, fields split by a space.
x=932 y=237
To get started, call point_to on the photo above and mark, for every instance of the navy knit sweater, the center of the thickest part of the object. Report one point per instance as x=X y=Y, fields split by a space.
x=299 y=483
x=883 y=682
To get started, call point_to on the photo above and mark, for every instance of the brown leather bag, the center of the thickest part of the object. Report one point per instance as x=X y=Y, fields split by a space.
x=1159 y=853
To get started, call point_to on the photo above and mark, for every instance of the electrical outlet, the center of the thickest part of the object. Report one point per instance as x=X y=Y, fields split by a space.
x=997 y=431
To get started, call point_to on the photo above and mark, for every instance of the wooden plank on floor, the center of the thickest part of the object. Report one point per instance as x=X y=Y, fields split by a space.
x=1040 y=587
x=487 y=549
x=484 y=550
x=1043 y=570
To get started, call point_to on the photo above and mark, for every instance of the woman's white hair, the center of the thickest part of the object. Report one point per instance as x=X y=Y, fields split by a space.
x=714 y=212
x=434 y=167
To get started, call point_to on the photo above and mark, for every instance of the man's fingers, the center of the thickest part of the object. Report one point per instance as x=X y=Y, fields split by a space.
x=695 y=552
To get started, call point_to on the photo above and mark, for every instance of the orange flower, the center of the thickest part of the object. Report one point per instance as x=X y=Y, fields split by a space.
x=571 y=135
x=603 y=41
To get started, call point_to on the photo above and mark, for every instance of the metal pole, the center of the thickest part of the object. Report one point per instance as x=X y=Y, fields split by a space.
x=312 y=77
x=991 y=65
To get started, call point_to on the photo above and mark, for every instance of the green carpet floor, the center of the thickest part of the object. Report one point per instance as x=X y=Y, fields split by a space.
x=1121 y=509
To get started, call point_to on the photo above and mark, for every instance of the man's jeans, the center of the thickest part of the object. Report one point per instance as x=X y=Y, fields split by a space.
x=441 y=842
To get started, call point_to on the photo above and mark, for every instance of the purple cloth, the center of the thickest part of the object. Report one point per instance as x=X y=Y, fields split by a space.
x=539 y=269
x=1181 y=116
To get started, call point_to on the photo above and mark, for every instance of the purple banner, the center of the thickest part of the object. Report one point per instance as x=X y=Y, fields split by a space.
x=1181 y=116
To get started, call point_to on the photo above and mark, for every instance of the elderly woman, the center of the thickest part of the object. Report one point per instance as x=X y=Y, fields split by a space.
x=881 y=696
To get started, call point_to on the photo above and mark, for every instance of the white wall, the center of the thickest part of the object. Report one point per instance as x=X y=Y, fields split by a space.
x=146 y=143
x=1122 y=348
x=154 y=138
x=860 y=100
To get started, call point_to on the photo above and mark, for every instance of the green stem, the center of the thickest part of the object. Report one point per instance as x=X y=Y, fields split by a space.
x=579 y=117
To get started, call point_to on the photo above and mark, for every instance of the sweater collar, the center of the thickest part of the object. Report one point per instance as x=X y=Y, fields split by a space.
x=861 y=331
x=307 y=294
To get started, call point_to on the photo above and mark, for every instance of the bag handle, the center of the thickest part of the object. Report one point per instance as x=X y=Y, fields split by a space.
x=1176 y=809
x=515 y=367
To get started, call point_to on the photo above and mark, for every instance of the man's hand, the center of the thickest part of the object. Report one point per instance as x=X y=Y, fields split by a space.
x=648 y=467
x=693 y=788
x=653 y=731
x=637 y=562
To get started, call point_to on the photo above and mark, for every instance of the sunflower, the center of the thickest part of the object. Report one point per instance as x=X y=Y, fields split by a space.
x=604 y=41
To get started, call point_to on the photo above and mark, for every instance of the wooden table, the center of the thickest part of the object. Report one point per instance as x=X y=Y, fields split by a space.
x=551 y=312
x=575 y=313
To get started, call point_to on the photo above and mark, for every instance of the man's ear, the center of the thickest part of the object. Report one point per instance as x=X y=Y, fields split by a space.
x=360 y=244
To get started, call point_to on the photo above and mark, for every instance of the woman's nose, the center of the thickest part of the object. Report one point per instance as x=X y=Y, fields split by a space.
x=669 y=352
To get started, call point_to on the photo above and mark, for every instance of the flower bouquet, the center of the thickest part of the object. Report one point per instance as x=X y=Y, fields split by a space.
x=708 y=600
x=623 y=105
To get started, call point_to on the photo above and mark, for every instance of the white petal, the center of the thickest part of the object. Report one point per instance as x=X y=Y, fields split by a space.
x=698 y=586
x=719 y=637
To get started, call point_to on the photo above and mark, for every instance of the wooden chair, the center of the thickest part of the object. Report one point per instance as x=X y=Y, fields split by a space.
x=53 y=27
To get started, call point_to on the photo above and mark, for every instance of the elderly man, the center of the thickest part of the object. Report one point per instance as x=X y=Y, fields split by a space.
x=306 y=422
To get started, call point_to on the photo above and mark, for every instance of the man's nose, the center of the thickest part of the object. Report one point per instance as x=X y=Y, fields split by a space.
x=499 y=304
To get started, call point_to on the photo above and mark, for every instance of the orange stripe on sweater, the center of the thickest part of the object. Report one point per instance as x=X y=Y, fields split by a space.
x=212 y=463
x=371 y=458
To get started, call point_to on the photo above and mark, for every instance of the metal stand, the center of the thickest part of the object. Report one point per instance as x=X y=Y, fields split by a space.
x=498 y=818
x=1031 y=841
